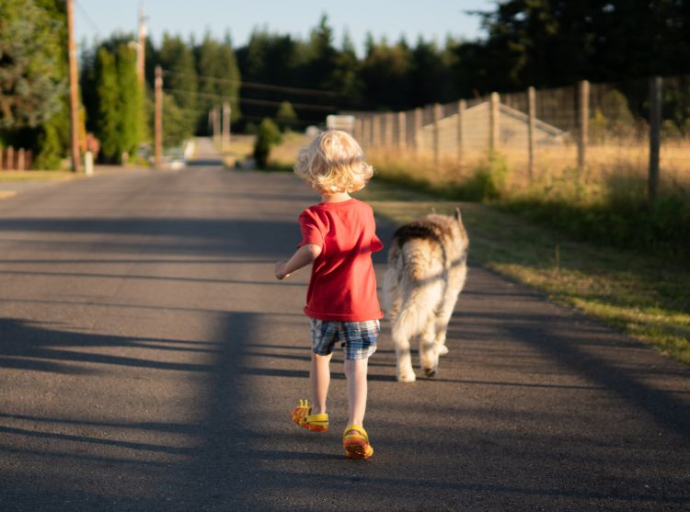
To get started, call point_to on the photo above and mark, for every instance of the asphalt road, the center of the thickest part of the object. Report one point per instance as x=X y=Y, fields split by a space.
x=149 y=361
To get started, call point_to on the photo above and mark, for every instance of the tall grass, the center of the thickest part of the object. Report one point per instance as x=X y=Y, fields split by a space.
x=605 y=203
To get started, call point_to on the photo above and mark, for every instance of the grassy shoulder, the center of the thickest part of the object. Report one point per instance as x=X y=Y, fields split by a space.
x=647 y=297
x=20 y=176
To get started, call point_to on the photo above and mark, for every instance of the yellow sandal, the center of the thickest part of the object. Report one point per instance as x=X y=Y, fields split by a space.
x=302 y=416
x=356 y=443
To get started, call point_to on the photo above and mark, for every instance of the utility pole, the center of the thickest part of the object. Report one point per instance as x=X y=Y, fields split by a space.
x=216 y=123
x=225 y=137
x=73 y=84
x=141 y=47
x=158 y=124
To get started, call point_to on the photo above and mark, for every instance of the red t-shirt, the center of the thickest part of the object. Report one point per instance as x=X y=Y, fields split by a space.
x=342 y=287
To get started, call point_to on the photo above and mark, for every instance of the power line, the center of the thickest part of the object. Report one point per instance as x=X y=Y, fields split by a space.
x=281 y=88
x=88 y=18
x=246 y=117
x=255 y=85
x=301 y=106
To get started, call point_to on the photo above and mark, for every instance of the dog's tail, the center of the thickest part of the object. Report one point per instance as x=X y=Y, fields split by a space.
x=413 y=287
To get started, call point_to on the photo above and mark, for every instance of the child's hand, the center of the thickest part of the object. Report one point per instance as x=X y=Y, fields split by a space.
x=280 y=271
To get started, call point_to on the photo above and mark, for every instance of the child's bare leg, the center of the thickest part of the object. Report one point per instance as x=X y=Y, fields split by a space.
x=356 y=373
x=320 y=380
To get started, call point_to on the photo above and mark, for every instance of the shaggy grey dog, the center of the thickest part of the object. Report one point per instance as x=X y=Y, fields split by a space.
x=427 y=266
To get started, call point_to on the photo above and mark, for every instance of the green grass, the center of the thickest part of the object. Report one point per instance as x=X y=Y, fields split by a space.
x=18 y=176
x=646 y=296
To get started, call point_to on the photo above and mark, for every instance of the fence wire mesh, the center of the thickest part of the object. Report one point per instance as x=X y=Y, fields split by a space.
x=588 y=130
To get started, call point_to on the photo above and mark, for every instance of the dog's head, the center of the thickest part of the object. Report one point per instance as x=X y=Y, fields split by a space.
x=450 y=227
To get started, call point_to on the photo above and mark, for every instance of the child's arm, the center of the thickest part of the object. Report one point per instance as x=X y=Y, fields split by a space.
x=302 y=257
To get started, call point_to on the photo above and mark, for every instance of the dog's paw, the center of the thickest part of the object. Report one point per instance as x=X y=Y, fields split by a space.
x=407 y=377
x=430 y=373
x=442 y=350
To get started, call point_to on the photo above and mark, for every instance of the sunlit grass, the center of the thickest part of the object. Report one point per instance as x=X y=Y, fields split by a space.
x=240 y=148
x=645 y=296
x=283 y=156
x=18 y=176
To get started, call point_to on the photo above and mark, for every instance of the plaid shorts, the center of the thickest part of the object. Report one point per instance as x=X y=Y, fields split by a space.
x=358 y=339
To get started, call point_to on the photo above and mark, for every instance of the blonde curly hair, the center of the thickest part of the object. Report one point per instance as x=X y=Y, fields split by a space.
x=333 y=162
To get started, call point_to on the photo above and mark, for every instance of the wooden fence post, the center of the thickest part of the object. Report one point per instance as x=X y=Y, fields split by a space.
x=365 y=133
x=20 y=160
x=10 y=159
x=494 y=121
x=418 y=120
x=437 y=132
x=532 y=113
x=655 y=92
x=225 y=136
x=376 y=135
x=402 y=131
x=383 y=127
x=2 y=152
x=462 y=106
x=583 y=124
x=391 y=122
x=370 y=131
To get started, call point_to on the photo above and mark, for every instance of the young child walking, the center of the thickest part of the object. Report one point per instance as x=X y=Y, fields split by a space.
x=338 y=237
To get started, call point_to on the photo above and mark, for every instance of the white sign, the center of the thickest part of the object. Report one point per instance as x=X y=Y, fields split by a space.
x=344 y=123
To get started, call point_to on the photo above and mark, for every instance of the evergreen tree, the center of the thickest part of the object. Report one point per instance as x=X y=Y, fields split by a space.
x=386 y=75
x=345 y=78
x=219 y=78
x=177 y=59
x=174 y=130
x=107 y=114
x=130 y=105
x=322 y=56
x=120 y=112
x=30 y=60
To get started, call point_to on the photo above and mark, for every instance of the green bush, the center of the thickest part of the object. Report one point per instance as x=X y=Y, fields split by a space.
x=268 y=136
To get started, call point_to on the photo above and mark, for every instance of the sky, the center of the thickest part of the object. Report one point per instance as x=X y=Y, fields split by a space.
x=432 y=19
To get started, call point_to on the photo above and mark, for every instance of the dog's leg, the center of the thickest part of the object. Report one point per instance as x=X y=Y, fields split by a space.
x=428 y=353
x=445 y=312
x=401 y=339
x=442 y=319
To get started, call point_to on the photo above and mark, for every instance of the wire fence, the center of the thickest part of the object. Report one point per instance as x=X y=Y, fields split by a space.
x=587 y=130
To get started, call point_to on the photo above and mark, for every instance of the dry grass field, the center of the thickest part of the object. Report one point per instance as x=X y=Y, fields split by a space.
x=606 y=166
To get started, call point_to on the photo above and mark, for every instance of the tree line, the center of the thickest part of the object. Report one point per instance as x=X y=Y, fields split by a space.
x=543 y=43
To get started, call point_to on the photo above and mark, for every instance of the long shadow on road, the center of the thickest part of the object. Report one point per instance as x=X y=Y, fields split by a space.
x=535 y=408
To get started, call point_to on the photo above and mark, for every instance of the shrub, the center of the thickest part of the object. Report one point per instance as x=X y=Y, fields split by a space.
x=268 y=136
